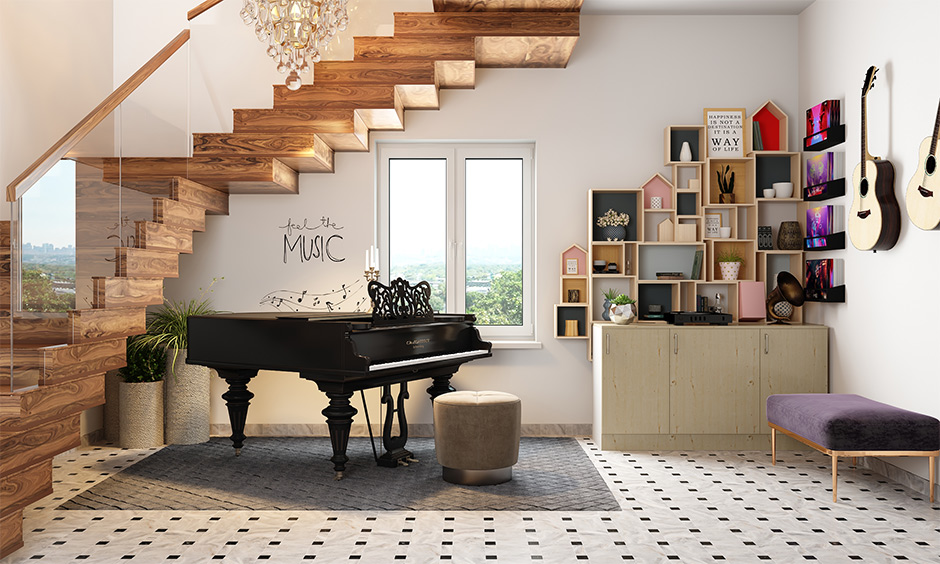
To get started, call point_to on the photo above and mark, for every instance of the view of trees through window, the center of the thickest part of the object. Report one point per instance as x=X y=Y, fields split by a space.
x=48 y=250
x=419 y=236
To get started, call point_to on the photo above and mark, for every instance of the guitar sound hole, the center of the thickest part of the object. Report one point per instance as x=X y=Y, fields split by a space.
x=931 y=164
x=863 y=187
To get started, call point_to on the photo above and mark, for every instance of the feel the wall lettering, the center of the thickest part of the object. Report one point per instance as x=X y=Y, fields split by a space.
x=298 y=241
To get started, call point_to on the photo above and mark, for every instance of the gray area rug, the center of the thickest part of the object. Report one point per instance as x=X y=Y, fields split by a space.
x=294 y=473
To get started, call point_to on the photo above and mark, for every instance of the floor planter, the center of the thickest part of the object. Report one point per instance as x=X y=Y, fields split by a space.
x=187 y=401
x=141 y=414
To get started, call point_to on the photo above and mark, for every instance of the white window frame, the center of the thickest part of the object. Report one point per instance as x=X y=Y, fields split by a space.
x=456 y=153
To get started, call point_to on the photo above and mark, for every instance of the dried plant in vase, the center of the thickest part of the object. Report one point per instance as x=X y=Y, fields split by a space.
x=725 y=184
x=613 y=225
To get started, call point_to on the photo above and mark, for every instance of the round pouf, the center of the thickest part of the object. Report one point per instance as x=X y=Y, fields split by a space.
x=476 y=436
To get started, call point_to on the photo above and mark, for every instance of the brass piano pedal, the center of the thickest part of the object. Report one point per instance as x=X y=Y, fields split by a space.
x=402 y=462
x=410 y=459
x=238 y=452
x=338 y=476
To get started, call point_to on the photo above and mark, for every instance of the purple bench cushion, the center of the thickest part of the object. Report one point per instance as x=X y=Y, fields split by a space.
x=851 y=422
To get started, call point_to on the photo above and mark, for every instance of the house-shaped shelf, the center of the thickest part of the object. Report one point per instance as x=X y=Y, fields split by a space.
x=773 y=123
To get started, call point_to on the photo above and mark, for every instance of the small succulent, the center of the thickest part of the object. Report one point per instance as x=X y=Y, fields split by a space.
x=622 y=299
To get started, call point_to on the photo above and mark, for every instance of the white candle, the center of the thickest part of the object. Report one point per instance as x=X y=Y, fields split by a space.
x=376 y=258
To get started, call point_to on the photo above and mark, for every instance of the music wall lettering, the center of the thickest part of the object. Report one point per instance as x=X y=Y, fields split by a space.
x=301 y=245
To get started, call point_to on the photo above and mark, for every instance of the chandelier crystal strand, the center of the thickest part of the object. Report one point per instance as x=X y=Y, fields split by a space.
x=296 y=31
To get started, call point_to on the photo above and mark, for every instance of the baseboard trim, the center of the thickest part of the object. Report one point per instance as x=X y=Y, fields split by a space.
x=360 y=430
x=899 y=475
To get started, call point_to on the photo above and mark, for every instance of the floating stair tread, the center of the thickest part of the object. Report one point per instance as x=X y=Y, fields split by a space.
x=422 y=48
x=234 y=175
x=42 y=404
x=103 y=324
x=36 y=328
x=478 y=24
x=507 y=5
x=363 y=73
x=336 y=97
x=37 y=444
x=126 y=292
x=146 y=263
x=153 y=235
x=26 y=486
x=179 y=214
x=346 y=132
x=524 y=52
x=302 y=152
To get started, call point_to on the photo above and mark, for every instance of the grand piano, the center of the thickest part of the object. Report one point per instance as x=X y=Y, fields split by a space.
x=400 y=341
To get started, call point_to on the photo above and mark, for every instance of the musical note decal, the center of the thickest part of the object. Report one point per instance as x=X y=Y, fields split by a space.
x=349 y=297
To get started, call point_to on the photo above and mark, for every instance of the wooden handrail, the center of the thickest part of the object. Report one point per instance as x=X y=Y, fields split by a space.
x=44 y=163
x=201 y=8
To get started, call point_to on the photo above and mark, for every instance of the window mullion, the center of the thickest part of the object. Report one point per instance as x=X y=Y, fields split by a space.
x=456 y=264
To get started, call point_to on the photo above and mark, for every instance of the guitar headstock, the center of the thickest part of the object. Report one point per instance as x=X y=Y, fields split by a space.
x=869 y=80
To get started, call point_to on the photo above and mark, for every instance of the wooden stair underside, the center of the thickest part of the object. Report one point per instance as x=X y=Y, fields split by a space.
x=68 y=354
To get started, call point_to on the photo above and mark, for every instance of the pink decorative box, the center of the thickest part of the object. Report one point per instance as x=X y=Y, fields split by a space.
x=751 y=301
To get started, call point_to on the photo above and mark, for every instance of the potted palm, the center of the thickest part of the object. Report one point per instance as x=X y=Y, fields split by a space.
x=725 y=184
x=730 y=261
x=140 y=396
x=187 y=385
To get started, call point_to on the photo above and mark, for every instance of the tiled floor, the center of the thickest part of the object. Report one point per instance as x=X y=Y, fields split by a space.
x=677 y=507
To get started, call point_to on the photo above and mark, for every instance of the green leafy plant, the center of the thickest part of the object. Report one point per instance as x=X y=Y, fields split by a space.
x=610 y=294
x=730 y=254
x=144 y=363
x=725 y=182
x=167 y=327
x=613 y=219
x=622 y=299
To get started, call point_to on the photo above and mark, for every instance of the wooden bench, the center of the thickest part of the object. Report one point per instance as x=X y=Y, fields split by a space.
x=842 y=425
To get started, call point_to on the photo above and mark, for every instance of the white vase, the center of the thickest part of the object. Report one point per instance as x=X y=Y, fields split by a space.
x=187 y=401
x=729 y=270
x=685 y=153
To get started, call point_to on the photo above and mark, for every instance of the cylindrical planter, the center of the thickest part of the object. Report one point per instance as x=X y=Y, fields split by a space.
x=729 y=270
x=187 y=401
x=141 y=414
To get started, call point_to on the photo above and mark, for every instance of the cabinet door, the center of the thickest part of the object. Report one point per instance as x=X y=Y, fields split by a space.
x=715 y=381
x=635 y=372
x=793 y=360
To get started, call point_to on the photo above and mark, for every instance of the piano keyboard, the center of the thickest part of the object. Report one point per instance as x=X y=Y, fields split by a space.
x=426 y=360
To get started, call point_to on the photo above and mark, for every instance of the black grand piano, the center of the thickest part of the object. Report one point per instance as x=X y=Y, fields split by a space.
x=402 y=340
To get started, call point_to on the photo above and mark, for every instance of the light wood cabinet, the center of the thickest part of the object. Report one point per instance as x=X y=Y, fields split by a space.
x=699 y=387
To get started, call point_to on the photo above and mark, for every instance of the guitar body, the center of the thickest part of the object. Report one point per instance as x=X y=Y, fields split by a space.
x=875 y=217
x=923 y=191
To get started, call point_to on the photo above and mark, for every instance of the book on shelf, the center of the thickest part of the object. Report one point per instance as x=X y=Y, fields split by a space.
x=822 y=275
x=822 y=116
x=670 y=276
x=758 y=141
x=697 y=265
x=824 y=220
x=824 y=167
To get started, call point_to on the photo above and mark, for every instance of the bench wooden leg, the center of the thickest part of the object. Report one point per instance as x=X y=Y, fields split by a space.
x=931 y=471
x=835 y=473
x=773 y=446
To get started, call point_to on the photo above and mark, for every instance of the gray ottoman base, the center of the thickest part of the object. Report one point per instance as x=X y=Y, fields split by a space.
x=477 y=477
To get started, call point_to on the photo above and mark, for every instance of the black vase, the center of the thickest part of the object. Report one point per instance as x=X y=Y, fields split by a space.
x=606 y=314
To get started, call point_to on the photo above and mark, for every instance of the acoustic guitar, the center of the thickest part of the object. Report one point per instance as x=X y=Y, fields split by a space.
x=923 y=191
x=875 y=216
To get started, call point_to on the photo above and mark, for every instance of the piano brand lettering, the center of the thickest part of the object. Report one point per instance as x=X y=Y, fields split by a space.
x=418 y=343
x=311 y=247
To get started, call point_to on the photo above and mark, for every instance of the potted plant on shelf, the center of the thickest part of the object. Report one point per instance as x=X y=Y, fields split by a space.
x=613 y=225
x=725 y=184
x=141 y=396
x=623 y=310
x=730 y=261
x=187 y=385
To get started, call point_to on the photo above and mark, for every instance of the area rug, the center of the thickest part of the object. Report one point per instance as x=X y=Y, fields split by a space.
x=294 y=473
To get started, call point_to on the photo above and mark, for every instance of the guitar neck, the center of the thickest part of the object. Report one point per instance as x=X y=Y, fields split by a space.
x=865 y=155
x=936 y=130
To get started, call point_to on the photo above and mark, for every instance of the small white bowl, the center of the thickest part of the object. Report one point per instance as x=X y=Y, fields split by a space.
x=769 y=192
x=783 y=189
x=724 y=232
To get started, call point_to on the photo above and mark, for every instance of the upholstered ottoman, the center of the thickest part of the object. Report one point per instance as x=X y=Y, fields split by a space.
x=851 y=425
x=476 y=436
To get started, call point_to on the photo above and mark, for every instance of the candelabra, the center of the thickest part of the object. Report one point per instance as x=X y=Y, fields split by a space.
x=371 y=274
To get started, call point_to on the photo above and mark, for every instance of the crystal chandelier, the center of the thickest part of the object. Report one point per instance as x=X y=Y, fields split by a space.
x=295 y=30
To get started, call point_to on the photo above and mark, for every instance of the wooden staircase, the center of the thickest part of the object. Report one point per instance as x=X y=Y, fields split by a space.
x=266 y=152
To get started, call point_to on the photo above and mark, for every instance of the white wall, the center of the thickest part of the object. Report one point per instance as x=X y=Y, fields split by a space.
x=44 y=92
x=883 y=340
x=598 y=123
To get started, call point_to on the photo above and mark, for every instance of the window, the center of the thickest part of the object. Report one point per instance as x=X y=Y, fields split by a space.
x=460 y=217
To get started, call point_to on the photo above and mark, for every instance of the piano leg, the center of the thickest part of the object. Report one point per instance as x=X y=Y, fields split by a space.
x=440 y=386
x=237 y=398
x=339 y=415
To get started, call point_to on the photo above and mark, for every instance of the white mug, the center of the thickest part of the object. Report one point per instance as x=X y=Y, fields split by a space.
x=724 y=232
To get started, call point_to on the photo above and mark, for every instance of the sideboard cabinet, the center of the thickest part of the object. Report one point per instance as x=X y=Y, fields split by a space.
x=700 y=387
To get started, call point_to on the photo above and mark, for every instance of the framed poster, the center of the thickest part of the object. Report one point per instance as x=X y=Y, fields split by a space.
x=724 y=132
x=571 y=266
x=712 y=224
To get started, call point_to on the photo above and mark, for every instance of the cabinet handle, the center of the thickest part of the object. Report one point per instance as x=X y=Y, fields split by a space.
x=675 y=338
x=766 y=343
x=608 y=343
